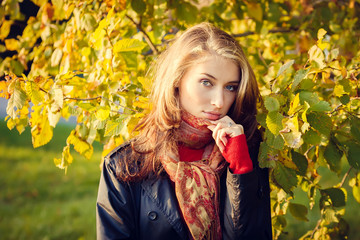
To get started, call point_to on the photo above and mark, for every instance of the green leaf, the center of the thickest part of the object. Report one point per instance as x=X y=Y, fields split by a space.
x=312 y=137
x=320 y=121
x=321 y=106
x=353 y=154
x=298 y=211
x=279 y=222
x=128 y=45
x=139 y=6
x=274 y=122
x=285 y=177
x=276 y=142
x=300 y=162
x=284 y=67
x=271 y=104
x=333 y=155
x=330 y=216
x=264 y=160
x=355 y=128
x=337 y=196
x=186 y=11
x=309 y=97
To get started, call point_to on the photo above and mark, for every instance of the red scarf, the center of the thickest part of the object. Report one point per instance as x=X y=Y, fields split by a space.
x=197 y=183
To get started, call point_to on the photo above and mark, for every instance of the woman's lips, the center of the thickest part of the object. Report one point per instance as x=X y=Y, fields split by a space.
x=212 y=116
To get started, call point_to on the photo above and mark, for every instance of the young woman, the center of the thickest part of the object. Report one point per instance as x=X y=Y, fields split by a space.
x=192 y=172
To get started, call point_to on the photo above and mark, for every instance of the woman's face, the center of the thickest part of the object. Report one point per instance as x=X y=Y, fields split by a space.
x=208 y=89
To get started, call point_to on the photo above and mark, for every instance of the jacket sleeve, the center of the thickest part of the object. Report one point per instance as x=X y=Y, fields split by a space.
x=246 y=203
x=115 y=208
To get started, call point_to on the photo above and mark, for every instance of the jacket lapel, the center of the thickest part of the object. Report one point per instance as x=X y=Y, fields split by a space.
x=161 y=192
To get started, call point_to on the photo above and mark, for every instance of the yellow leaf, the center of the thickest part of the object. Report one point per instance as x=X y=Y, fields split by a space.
x=80 y=145
x=66 y=159
x=128 y=45
x=320 y=35
x=102 y=113
x=4 y=90
x=12 y=44
x=142 y=102
x=41 y=132
x=10 y=123
x=255 y=11
x=317 y=55
x=294 y=105
x=33 y=90
x=146 y=83
x=5 y=29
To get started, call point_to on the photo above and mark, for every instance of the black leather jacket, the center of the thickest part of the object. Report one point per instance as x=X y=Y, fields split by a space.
x=148 y=209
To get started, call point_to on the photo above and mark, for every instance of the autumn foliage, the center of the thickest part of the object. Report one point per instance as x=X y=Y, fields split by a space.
x=89 y=59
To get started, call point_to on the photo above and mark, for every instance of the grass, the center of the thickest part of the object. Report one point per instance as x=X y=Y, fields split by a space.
x=37 y=200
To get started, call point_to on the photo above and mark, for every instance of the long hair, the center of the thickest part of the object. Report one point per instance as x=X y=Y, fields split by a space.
x=158 y=129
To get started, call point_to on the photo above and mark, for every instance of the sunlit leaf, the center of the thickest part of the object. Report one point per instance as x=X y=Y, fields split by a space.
x=284 y=67
x=11 y=44
x=271 y=104
x=41 y=132
x=128 y=45
x=66 y=159
x=81 y=146
x=16 y=101
x=5 y=29
x=274 y=122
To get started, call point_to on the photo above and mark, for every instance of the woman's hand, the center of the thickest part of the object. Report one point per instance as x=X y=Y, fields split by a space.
x=223 y=129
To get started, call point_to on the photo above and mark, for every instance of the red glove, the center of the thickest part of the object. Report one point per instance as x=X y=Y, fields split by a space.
x=237 y=154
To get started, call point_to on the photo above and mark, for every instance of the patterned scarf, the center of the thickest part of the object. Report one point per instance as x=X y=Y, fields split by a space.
x=197 y=183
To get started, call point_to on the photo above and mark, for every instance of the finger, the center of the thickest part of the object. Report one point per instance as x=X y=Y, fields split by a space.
x=222 y=136
x=216 y=130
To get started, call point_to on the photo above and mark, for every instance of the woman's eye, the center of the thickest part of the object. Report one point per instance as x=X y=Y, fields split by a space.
x=231 y=88
x=206 y=83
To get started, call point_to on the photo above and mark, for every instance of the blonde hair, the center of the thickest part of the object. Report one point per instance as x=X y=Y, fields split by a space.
x=157 y=129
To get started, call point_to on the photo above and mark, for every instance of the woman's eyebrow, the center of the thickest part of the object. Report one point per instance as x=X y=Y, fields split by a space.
x=214 y=78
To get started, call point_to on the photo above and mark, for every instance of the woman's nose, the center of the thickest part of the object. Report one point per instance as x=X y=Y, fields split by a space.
x=217 y=99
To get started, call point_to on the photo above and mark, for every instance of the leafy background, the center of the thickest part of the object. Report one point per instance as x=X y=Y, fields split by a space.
x=87 y=60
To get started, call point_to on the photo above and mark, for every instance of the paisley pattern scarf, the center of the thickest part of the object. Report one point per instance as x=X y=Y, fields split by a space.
x=197 y=183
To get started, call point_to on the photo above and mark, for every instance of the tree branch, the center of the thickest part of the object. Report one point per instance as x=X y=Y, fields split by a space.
x=146 y=36
x=345 y=176
x=278 y=30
